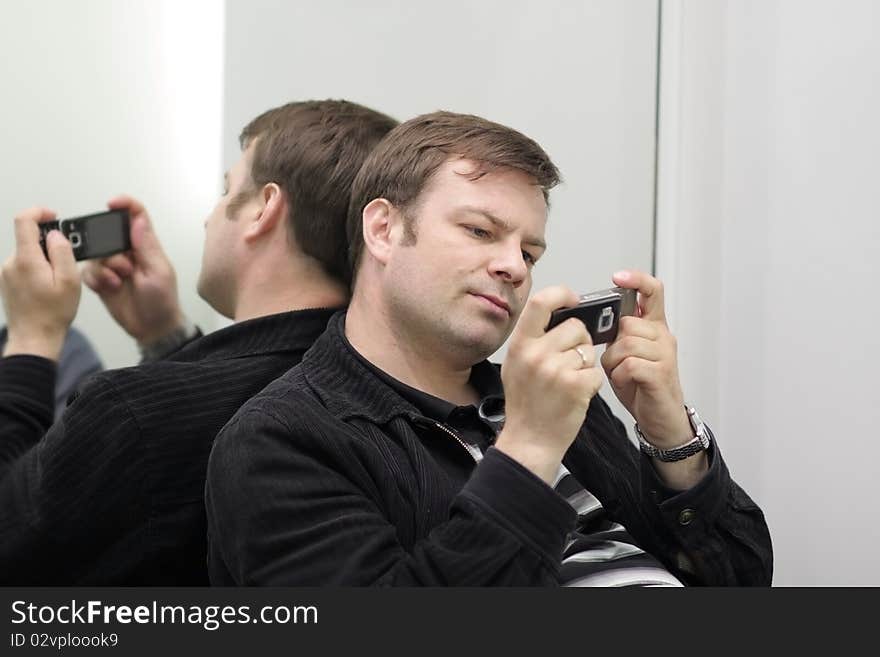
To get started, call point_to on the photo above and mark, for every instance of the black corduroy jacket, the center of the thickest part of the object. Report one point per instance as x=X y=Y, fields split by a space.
x=327 y=478
x=113 y=492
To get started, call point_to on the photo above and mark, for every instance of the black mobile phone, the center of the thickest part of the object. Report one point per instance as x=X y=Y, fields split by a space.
x=94 y=235
x=600 y=312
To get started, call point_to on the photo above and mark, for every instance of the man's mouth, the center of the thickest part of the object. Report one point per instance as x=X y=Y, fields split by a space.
x=496 y=301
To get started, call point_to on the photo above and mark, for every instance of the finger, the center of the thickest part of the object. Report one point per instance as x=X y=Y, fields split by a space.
x=101 y=279
x=632 y=370
x=120 y=264
x=582 y=356
x=125 y=202
x=631 y=347
x=567 y=335
x=570 y=360
x=27 y=231
x=108 y=279
x=89 y=276
x=91 y=272
x=587 y=382
x=638 y=327
x=145 y=243
x=536 y=314
x=650 y=292
x=61 y=256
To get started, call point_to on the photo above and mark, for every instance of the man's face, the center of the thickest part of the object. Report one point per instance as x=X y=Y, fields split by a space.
x=217 y=278
x=463 y=283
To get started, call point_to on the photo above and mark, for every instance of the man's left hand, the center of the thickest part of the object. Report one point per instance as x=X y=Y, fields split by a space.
x=642 y=365
x=40 y=296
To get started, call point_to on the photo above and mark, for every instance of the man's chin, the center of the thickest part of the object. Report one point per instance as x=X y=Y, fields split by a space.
x=480 y=344
x=204 y=291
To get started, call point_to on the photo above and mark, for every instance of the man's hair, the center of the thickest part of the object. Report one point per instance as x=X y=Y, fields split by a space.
x=402 y=164
x=312 y=150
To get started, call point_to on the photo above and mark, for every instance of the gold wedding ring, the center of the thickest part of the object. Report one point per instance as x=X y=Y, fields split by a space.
x=583 y=357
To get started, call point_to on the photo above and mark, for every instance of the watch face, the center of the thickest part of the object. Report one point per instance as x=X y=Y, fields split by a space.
x=694 y=419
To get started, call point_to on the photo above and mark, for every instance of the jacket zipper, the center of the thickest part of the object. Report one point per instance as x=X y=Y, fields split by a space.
x=475 y=454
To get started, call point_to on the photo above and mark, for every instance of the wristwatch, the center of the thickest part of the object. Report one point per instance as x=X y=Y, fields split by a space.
x=699 y=443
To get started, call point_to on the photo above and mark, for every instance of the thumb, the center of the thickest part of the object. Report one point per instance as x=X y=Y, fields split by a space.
x=61 y=256
x=144 y=241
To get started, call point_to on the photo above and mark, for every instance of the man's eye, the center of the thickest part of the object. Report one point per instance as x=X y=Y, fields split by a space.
x=529 y=258
x=478 y=232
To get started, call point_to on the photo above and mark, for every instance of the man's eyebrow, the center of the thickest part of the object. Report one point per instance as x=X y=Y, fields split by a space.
x=502 y=224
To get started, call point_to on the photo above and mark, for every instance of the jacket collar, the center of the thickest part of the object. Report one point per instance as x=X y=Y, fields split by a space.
x=345 y=385
x=348 y=388
x=296 y=330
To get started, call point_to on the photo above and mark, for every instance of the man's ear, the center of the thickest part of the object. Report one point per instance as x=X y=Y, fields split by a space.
x=272 y=211
x=382 y=228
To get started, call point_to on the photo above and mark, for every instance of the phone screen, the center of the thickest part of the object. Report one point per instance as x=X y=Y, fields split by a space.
x=106 y=233
x=98 y=235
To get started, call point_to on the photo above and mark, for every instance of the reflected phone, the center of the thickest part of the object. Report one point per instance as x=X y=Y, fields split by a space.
x=94 y=235
x=600 y=312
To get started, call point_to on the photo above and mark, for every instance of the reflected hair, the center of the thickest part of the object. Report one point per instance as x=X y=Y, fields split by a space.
x=313 y=150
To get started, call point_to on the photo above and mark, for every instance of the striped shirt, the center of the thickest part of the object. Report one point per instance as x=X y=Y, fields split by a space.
x=601 y=552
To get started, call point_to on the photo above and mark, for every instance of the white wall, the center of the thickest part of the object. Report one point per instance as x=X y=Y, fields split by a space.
x=106 y=97
x=577 y=76
x=768 y=214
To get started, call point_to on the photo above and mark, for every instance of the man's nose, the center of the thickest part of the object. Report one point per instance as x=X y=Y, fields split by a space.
x=508 y=264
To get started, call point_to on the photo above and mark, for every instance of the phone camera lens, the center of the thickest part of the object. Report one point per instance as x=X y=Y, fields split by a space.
x=606 y=319
x=75 y=240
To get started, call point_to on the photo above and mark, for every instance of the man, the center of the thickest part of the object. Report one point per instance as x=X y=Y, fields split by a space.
x=113 y=493
x=389 y=456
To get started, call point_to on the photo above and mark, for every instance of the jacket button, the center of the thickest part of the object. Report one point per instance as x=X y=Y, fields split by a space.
x=686 y=516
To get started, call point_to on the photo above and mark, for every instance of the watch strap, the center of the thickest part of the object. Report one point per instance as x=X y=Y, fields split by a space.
x=699 y=443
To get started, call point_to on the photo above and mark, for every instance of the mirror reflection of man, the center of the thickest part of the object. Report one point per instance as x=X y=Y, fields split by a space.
x=396 y=454
x=77 y=361
x=112 y=493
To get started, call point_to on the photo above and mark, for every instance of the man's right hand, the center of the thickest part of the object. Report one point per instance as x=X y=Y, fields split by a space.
x=549 y=379
x=139 y=287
